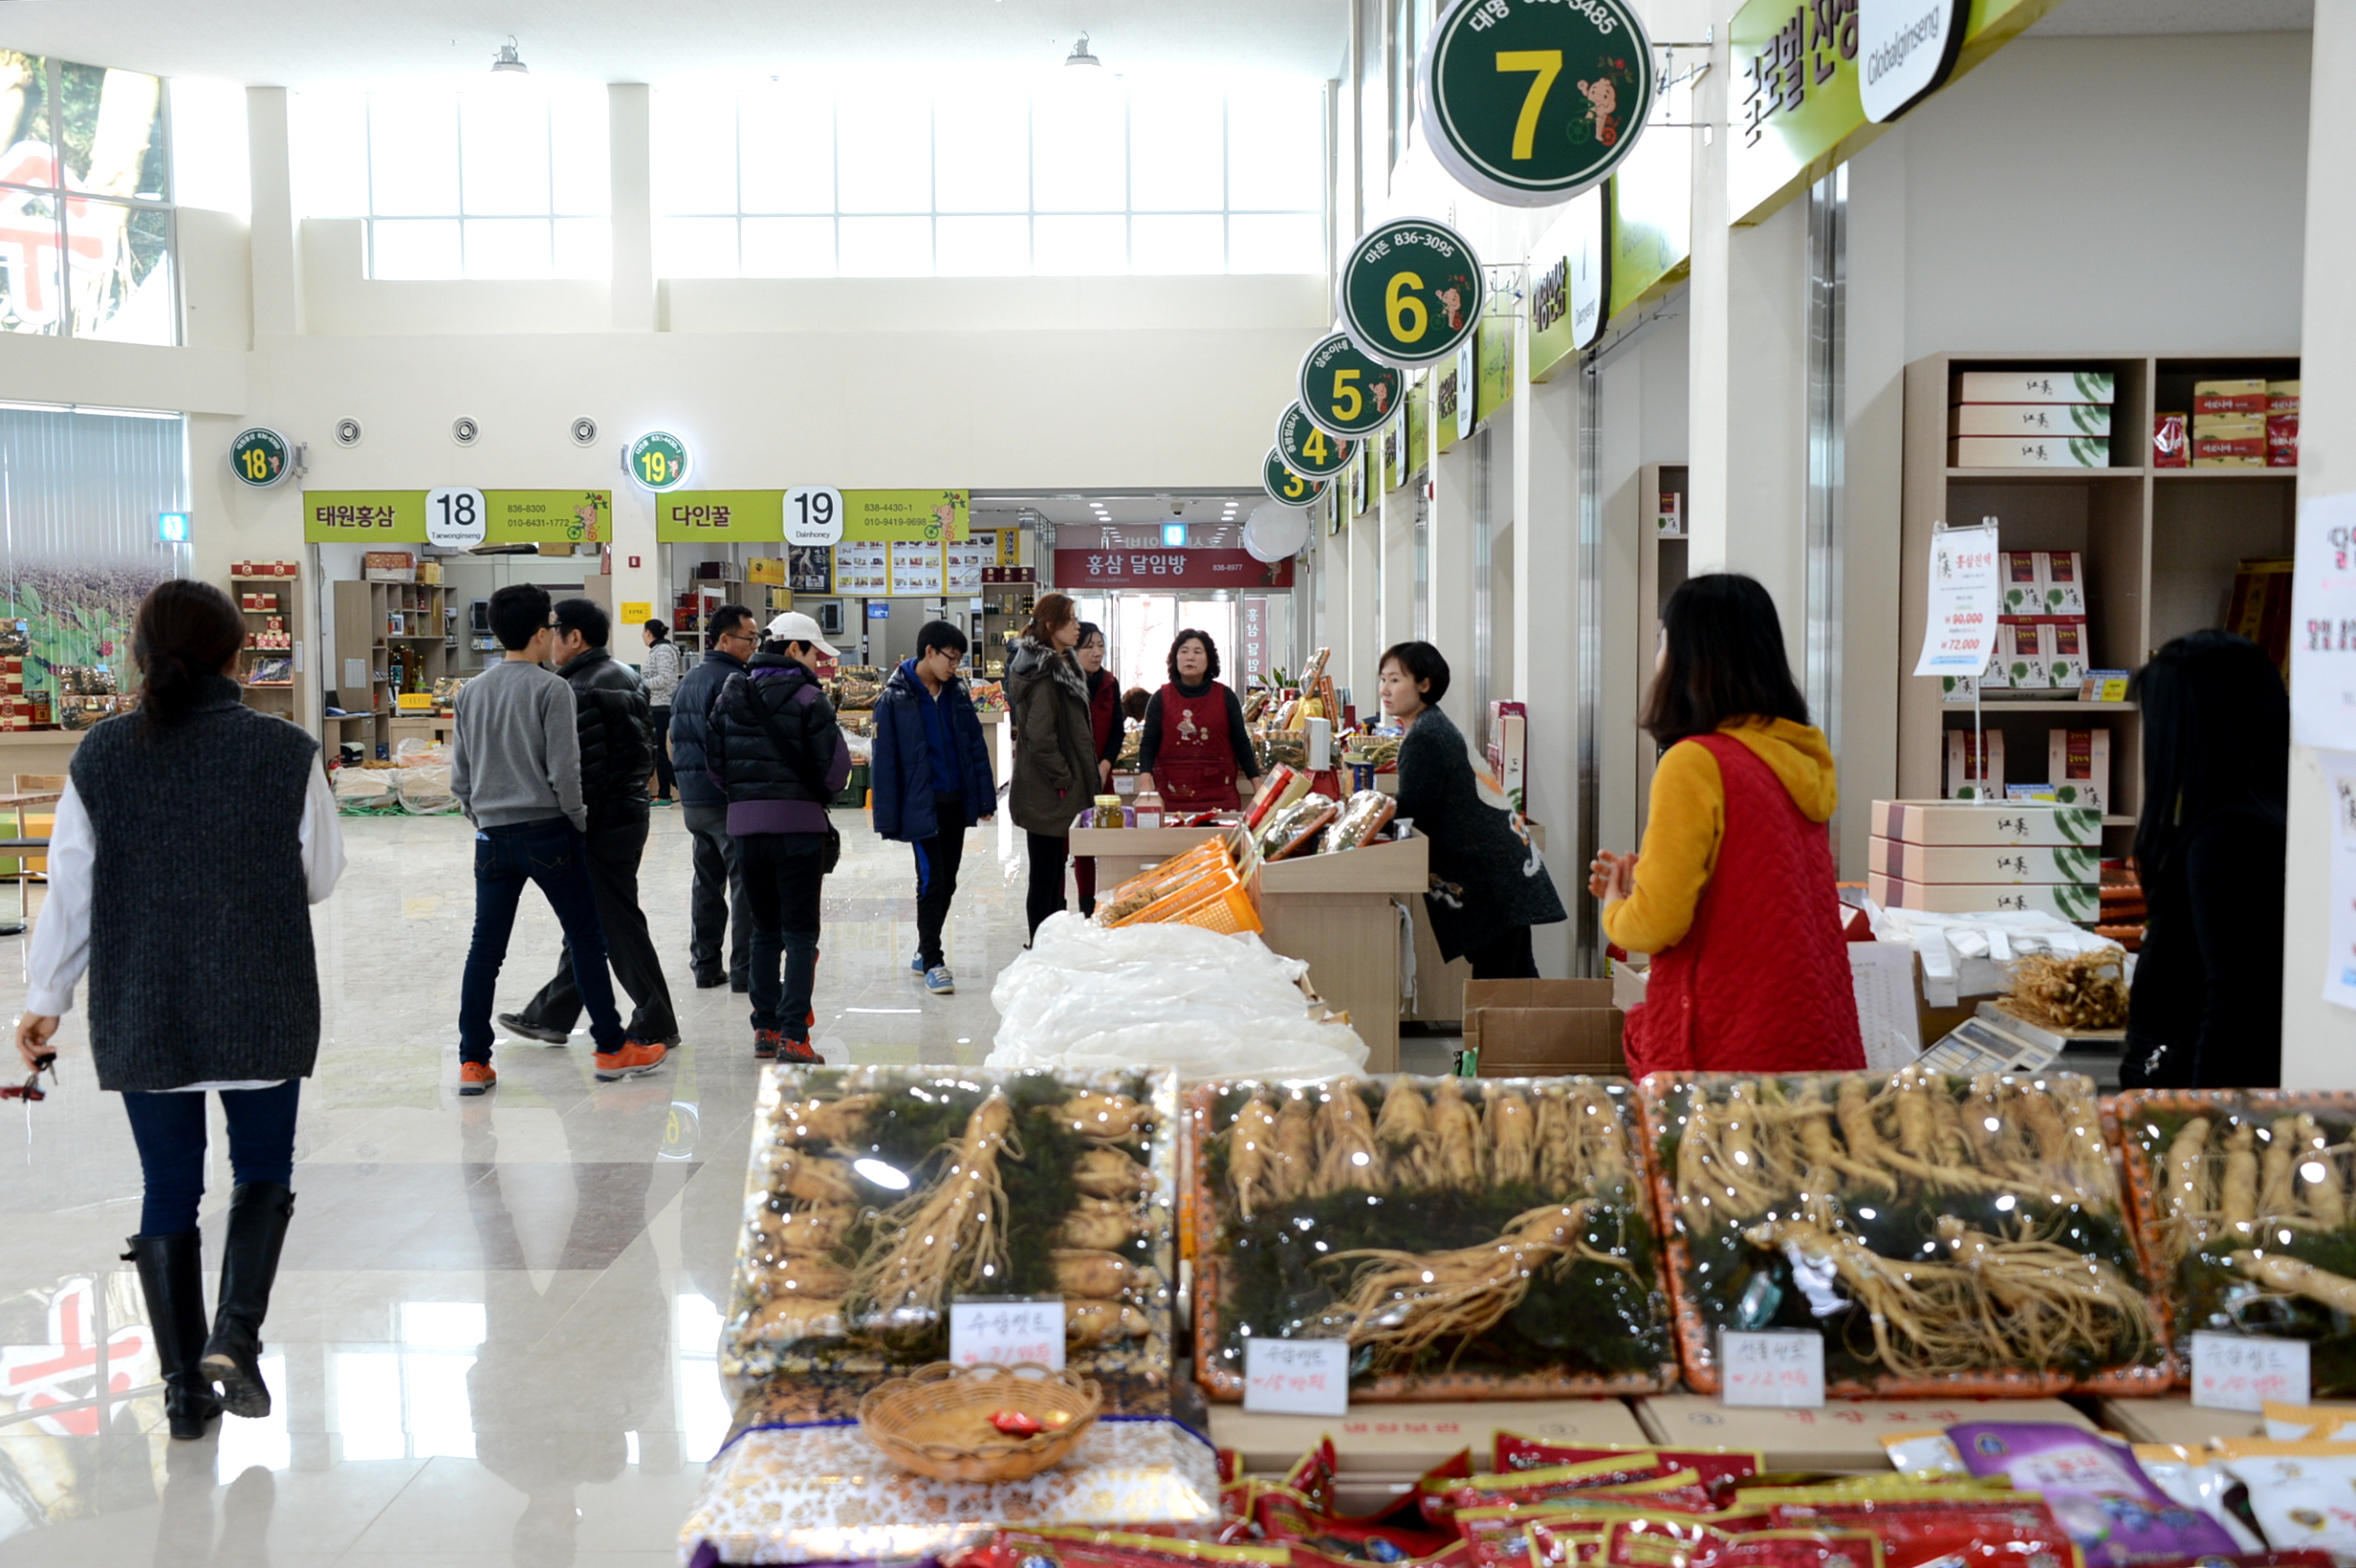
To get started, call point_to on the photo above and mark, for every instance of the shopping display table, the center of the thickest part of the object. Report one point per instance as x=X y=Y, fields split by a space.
x=1339 y=914
x=1122 y=853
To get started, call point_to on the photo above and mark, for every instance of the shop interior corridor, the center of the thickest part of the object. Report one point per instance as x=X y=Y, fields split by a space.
x=493 y=1339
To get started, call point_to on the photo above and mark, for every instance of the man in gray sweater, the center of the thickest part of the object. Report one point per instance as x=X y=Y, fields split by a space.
x=516 y=771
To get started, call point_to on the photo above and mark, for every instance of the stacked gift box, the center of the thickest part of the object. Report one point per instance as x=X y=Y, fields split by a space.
x=2031 y=418
x=1959 y=858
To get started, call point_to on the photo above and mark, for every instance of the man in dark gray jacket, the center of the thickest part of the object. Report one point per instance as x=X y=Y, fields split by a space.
x=617 y=752
x=716 y=908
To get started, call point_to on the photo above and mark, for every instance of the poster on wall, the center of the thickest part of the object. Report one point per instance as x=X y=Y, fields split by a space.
x=862 y=566
x=916 y=568
x=810 y=568
x=962 y=565
x=2323 y=626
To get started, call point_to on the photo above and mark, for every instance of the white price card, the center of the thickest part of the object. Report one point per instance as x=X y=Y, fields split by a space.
x=1779 y=1369
x=2243 y=1371
x=1006 y=1333
x=1962 y=626
x=2323 y=626
x=1297 y=1377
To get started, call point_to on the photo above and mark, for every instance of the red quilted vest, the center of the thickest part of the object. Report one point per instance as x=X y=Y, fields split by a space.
x=1762 y=982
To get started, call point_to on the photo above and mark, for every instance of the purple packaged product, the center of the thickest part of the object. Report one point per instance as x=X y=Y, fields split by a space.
x=2096 y=1491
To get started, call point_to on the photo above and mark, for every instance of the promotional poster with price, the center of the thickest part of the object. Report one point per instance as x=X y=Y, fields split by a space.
x=2323 y=626
x=1964 y=586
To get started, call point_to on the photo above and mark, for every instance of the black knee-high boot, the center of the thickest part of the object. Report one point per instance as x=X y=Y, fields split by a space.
x=258 y=1213
x=171 y=1275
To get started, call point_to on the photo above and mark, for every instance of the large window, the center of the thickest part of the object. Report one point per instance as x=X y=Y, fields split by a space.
x=505 y=177
x=85 y=203
x=1087 y=177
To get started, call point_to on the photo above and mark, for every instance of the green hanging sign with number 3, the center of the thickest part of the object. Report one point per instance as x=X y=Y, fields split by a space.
x=1532 y=101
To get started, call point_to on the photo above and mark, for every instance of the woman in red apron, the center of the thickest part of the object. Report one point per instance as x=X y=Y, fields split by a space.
x=1196 y=747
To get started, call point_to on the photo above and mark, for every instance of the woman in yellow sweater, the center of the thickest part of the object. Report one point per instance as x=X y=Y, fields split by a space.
x=1733 y=894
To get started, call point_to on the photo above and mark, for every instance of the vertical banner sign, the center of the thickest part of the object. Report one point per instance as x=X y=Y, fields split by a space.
x=1906 y=49
x=1963 y=602
x=2323 y=626
x=1306 y=448
x=1411 y=291
x=1567 y=299
x=1343 y=392
x=1530 y=102
x=1287 y=488
x=1254 y=638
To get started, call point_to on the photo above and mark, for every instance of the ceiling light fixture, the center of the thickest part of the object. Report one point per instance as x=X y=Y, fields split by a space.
x=1080 y=55
x=507 y=59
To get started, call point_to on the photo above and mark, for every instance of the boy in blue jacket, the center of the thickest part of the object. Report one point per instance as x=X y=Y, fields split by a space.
x=931 y=781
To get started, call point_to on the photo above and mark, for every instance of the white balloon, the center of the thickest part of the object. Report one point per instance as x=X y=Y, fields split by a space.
x=1275 y=532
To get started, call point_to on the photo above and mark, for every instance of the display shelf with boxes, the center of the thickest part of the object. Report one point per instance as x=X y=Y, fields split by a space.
x=268 y=600
x=393 y=636
x=2143 y=551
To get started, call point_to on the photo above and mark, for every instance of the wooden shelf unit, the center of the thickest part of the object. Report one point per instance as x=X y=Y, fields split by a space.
x=277 y=697
x=2160 y=547
x=1661 y=569
x=421 y=651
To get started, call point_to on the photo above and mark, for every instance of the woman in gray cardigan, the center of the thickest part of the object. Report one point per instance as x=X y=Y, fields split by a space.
x=194 y=814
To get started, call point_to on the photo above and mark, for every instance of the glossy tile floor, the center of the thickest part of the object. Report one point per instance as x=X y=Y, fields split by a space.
x=493 y=1333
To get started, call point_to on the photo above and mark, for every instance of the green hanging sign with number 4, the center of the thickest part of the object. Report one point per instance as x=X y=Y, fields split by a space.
x=1411 y=291
x=1288 y=487
x=658 y=461
x=1343 y=392
x=1308 y=450
x=1532 y=101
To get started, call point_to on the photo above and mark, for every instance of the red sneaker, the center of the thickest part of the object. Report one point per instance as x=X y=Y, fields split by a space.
x=765 y=1043
x=797 y=1051
x=635 y=1060
x=475 y=1077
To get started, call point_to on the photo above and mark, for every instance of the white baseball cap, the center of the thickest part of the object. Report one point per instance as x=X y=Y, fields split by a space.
x=794 y=626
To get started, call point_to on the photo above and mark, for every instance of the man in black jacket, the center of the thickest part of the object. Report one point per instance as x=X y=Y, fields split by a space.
x=717 y=908
x=617 y=753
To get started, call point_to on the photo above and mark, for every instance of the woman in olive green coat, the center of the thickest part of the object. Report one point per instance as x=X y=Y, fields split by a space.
x=1054 y=745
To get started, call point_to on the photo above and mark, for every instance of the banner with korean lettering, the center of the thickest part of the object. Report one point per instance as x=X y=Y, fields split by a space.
x=364 y=516
x=1080 y=570
x=580 y=516
x=1794 y=98
x=717 y=516
x=1254 y=636
x=939 y=516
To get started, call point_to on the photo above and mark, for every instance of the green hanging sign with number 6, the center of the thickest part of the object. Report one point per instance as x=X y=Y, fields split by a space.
x=1288 y=487
x=658 y=461
x=1308 y=450
x=1532 y=101
x=1343 y=392
x=1411 y=291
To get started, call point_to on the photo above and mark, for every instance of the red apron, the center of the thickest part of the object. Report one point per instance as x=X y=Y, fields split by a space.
x=1760 y=983
x=1196 y=765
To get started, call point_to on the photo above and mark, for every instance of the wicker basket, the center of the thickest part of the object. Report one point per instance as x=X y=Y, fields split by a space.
x=936 y=1420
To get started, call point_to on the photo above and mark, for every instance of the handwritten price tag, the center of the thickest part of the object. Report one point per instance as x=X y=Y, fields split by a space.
x=1004 y=1333
x=2243 y=1371
x=1297 y=1377
x=1780 y=1370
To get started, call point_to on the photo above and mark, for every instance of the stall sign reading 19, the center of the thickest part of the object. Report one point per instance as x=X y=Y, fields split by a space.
x=658 y=461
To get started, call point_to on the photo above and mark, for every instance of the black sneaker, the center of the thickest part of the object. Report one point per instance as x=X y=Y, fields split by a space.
x=514 y=1024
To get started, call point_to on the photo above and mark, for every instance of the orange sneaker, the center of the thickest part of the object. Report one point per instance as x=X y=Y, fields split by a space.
x=475 y=1077
x=635 y=1060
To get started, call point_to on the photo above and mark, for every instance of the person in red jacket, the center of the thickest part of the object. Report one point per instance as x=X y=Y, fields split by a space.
x=1104 y=723
x=1734 y=893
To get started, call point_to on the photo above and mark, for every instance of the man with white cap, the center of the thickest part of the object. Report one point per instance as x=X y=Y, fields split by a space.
x=774 y=747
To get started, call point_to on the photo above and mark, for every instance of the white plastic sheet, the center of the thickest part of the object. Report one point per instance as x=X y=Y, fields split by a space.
x=1175 y=997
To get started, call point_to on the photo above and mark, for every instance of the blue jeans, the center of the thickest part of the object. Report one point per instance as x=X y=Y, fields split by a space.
x=169 y=1130
x=554 y=855
x=782 y=879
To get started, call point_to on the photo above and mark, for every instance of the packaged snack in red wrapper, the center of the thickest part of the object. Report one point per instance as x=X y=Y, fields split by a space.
x=1952 y=1526
x=1789 y=1548
x=1515 y=1452
x=1110 y=1549
x=2171 y=445
x=1281 y=1515
x=1443 y=1495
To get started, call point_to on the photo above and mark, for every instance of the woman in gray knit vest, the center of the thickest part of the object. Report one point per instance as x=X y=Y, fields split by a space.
x=194 y=815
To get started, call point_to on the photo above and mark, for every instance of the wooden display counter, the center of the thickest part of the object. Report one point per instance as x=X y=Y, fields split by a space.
x=1336 y=913
x=36 y=751
x=2175 y=1419
x=1122 y=853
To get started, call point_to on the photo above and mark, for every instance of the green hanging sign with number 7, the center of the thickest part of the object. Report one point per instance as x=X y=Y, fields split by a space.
x=1532 y=101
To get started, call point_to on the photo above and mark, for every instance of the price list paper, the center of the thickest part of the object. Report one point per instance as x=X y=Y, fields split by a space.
x=1297 y=1377
x=916 y=567
x=1774 y=1370
x=862 y=566
x=1962 y=624
x=2244 y=1371
x=1007 y=1333
x=2323 y=626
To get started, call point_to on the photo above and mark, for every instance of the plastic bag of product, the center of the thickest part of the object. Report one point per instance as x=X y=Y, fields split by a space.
x=1360 y=817
x=2197 y=1481
x=1292 y=829
x=1162 y=995
x=1469 y=1239
x=424 y=792
x=860 y=747
x=2096 y=1491
x=365 y=791
x=1924 y=1453
x=413 y=752
x=2299 y=1493
x=2326 y=1422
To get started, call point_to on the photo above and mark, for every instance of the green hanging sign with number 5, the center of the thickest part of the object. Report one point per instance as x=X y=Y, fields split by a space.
x=1343 y=392
x=658 y=461
x=1532 y=101
x=1411 y=291
x=1288 y=487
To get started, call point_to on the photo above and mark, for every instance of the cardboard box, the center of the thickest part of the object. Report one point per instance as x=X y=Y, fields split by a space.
x=2228 y=404
x=2238 y=452
x=2228 y=426
x=2021 y=592
x=1543 y=1028
x=2064 y=642
x=1844 y=1435
x=2234 y=387
x=2174 y=1418
x=1946 y=822
x=1986 y=863
x=388 y=560
x=2036 y=387
x=1509 y=749
x=2281 y=397
x=2081 y=902
x=2078 y=771
x=2029 y=451
x=2020 y=648
x=1974 y=773
x=2104 y=685
x=765 y=569
x=1669 y=522
x=2061 y=582
x=2029 y=419
x=1405 y=1441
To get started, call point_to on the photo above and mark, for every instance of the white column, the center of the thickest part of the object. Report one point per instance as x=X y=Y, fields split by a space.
x=1544 y=660
x=629 y=131
x=1363 y=540
x=1398 y=591
x=277 y=248
x=2319 y=1039
x=1448 y=571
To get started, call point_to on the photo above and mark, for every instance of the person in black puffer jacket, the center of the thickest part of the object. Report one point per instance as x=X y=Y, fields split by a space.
x=716 y=906
x=617 y=752
x=774 y=745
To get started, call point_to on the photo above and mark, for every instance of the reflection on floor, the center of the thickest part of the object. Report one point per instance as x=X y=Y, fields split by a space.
x=493 y=1337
